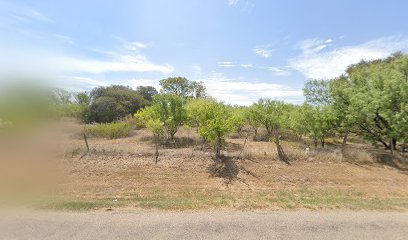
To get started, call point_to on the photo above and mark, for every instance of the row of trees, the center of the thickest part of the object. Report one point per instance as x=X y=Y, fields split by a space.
x=370 y=101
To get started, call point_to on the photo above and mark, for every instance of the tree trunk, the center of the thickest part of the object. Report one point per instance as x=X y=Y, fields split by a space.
x=255 y=133
x=281 y=154
x=243 y=146
x=157 y=147
x=344 y=143
x=322 y=142
x=392 y=146
x=315 y=142
x=86 y=141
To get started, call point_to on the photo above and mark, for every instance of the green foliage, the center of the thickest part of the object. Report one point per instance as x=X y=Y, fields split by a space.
x=82 y=98
x=109 y=130
x=317 y=92
x=374 y=97
x=318 y=122
x=147 y=92
x=167 y=110
x=183 y=87
x=269 y=114
x=214 y=120
x=109 y=104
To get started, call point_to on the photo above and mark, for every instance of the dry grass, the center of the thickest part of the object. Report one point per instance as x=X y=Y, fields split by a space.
x=121 y=173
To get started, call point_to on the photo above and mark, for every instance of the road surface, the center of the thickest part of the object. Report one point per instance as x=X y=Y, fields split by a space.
x=204 y=225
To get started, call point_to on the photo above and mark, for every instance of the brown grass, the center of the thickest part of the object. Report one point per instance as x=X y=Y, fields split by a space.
x=121 y=173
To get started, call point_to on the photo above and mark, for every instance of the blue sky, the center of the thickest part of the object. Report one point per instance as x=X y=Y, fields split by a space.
x=241 y=49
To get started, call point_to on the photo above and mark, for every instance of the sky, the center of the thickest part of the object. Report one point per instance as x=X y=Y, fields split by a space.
x=241 y=49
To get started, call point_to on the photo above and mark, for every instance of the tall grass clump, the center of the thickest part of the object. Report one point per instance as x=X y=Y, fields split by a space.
x=109 y=130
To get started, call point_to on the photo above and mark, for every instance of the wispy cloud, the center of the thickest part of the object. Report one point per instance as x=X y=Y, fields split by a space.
x=119 y=63
x=249 y=65
x=23 y=14
x=225 y=64
x=135 y=46
x=242 y=92
x=318 y=63
x=143 y=82
x=264 y=50
x=313 y=45
x=232 y=2
x=77 y=83
x=279 y=71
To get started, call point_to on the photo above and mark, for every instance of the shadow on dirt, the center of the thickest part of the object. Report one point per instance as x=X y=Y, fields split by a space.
x=226 y=168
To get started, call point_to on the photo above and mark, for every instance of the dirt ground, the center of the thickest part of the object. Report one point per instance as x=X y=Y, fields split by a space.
x=123 y=170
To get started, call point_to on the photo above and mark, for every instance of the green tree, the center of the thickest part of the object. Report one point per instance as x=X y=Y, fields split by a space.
x=270 y=114
x=213 y=121
x=378 y=94
x=318 y=122
x=109 y=104
x=167 y=109
x=82 y=98
x=147 y=92
x=317 y=92
x=183 y=87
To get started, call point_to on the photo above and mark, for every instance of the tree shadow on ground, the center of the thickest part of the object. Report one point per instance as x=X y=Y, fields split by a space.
x=397 y=161
x=226 y=168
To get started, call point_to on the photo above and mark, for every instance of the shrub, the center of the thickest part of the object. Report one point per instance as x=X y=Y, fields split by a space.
x=109 y=130
x=109 y=104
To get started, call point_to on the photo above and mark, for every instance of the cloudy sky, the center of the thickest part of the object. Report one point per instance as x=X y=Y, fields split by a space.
x=241 y=49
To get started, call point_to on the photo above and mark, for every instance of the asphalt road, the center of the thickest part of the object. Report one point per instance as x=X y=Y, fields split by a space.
x=204 y=225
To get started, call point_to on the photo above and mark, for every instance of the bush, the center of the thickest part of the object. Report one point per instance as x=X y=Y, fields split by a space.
x=109 y=130
x=109 y=104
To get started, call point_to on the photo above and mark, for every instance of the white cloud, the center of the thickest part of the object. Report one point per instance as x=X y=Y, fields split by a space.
x=225 y=64
x=232 y=2
x=315 y=63
x=23 y=14
x=263 y=51
x=242 y=92
x=119 y=63
x=313 y=45
x=279 y=71
x=134 y=83
x=246 y=65
x=77 y=84
x=134 y=46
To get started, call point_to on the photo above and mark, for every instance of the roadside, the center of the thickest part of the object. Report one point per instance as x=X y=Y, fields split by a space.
x=205 y=225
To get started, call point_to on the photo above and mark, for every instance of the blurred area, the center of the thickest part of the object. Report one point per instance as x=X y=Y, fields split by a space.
x=30 y=139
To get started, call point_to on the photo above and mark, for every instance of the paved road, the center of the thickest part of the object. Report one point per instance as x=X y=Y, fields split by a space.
x=205 y=225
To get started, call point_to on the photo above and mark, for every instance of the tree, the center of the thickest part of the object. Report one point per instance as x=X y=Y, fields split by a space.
x=378 y=94
x=318 y=122
x=183 y=87
x=252 y=116
x=147 y=92
x=167 y=109
x=197 y=89
x=270 y=114
x=213 y=121
x=317 y=92
x=179 y=86
x=63 y=96
x=82 y=98
x=112 y=103
x=145 y=117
